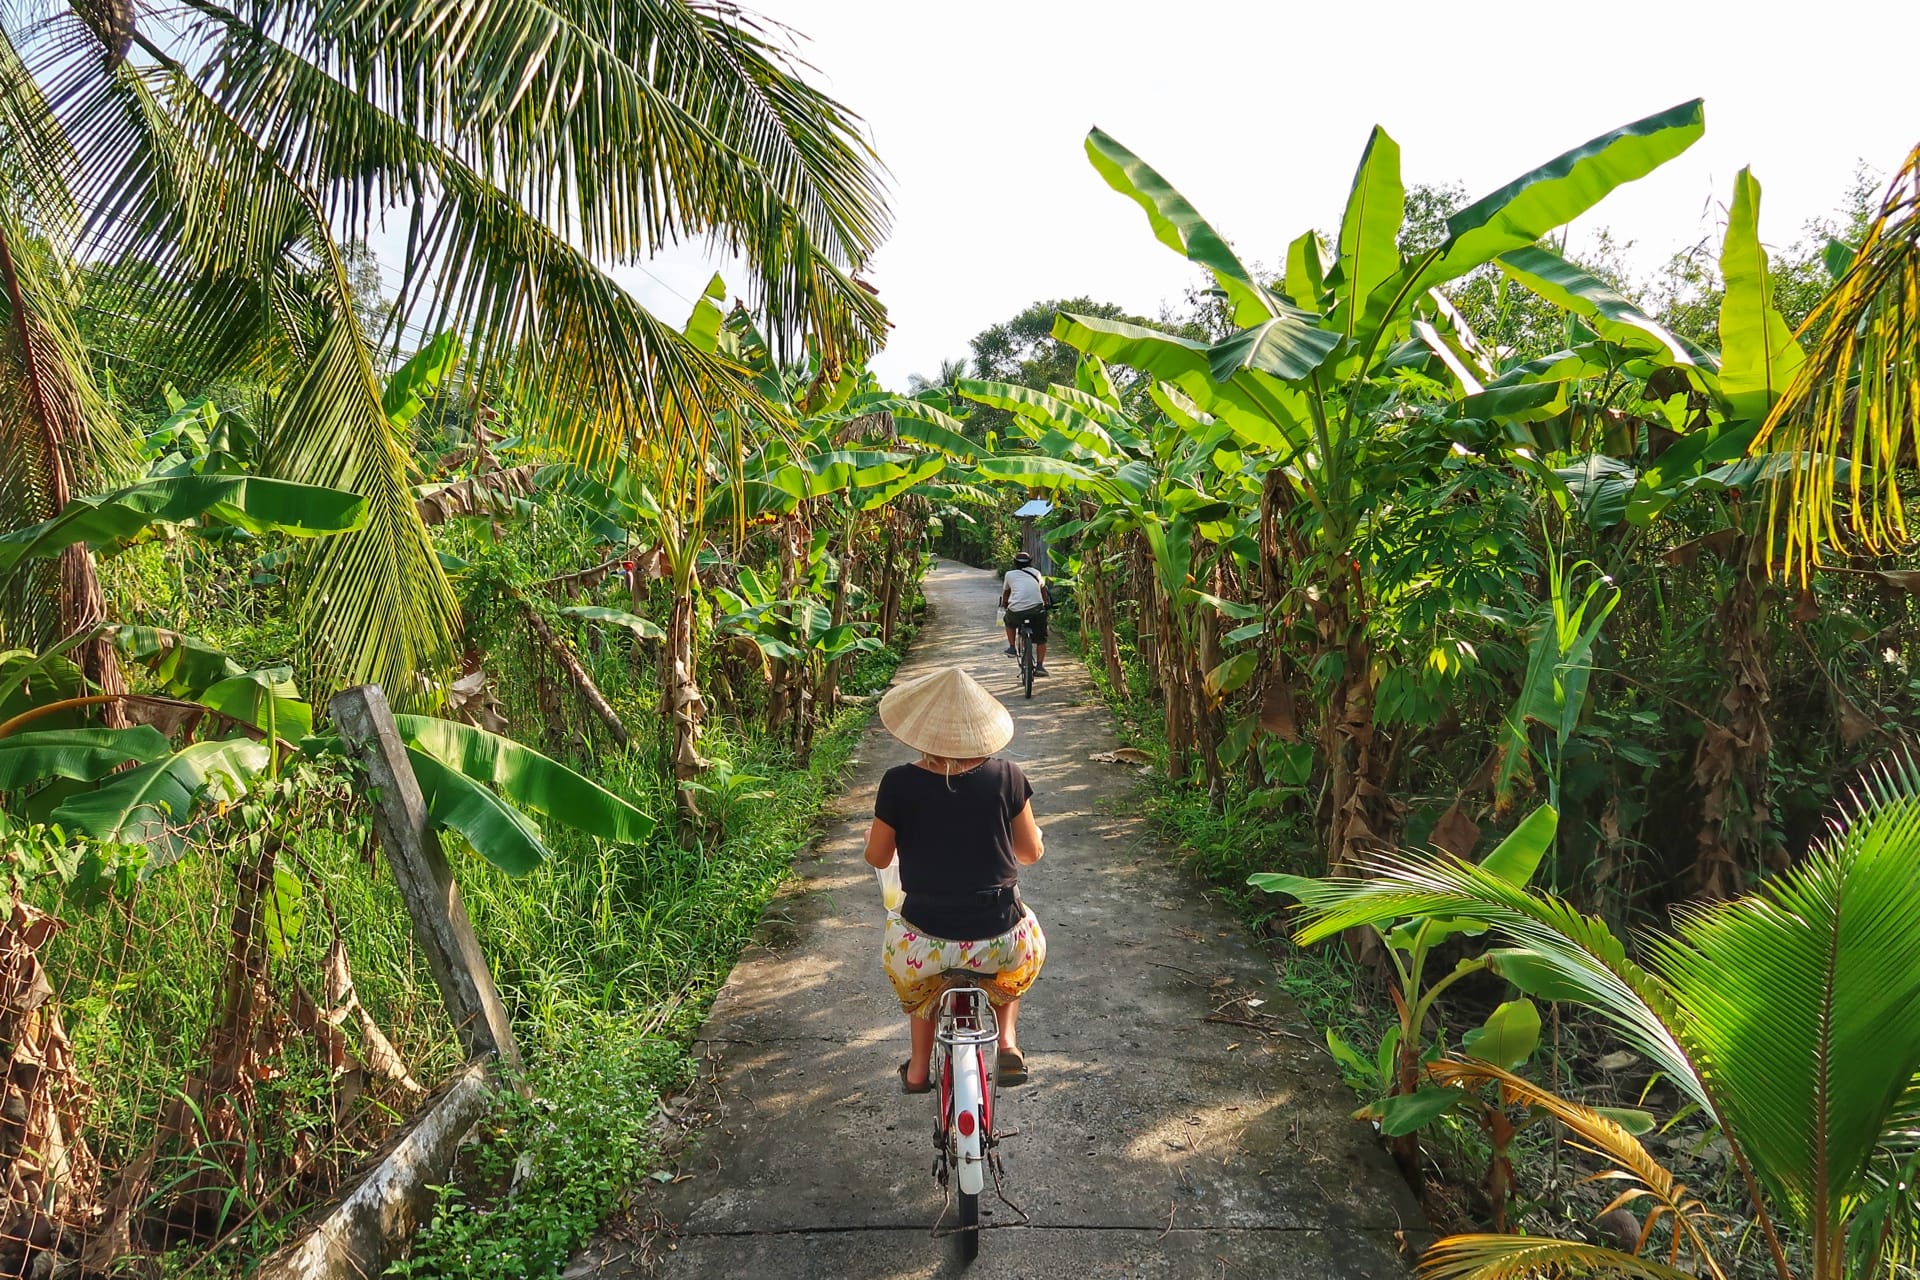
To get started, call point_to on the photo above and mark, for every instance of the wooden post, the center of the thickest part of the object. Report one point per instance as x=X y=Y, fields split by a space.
x=440 y=923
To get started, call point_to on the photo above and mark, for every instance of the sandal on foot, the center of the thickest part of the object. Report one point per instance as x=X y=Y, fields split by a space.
x=1010 y=1067
x=925 y=1086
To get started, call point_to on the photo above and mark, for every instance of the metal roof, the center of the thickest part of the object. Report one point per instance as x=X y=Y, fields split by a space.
x=1033 y=507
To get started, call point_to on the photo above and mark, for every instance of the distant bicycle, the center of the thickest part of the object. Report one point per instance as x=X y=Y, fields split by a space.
x=1027 y=661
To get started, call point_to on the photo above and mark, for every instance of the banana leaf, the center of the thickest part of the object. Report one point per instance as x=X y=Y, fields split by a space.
x=1538 y=201
x=1179 y=226
x=154 y=803
x=526 y=777
x=86 y=755
x=108 y=522
x=493 y=828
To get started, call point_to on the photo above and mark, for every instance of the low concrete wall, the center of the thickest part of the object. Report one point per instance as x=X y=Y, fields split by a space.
x=367 y=1227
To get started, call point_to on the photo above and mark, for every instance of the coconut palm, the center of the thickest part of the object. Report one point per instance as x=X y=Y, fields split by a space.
x=1789 y=1017
x=217 y=155
x=1858 y=394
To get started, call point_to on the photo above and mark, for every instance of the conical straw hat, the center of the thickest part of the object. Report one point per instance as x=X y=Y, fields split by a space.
x=947 y=713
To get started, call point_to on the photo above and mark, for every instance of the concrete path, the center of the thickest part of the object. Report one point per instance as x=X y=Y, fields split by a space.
x=1153 y=1142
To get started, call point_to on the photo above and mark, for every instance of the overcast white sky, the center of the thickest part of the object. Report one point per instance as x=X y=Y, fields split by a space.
x=1257 y=112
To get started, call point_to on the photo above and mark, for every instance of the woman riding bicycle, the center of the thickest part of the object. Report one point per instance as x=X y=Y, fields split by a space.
x=962 y=826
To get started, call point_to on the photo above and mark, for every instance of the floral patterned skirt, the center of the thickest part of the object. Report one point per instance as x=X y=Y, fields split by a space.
x=914 y=962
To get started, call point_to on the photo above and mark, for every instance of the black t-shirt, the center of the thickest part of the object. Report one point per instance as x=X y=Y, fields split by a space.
x=956 y=846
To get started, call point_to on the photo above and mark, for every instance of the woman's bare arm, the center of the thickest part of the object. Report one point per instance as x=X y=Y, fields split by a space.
x=1028 y=844
x=881 y=844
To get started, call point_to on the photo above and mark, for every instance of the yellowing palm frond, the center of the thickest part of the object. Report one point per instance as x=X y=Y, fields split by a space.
x=1857 y=396
x=1650 y=1181
x=1490 y=1257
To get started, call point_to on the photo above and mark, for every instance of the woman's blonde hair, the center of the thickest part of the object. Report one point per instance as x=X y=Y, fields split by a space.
x=946 y=764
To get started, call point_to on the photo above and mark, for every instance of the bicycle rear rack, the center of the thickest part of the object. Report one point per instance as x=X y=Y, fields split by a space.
x=986 y=1028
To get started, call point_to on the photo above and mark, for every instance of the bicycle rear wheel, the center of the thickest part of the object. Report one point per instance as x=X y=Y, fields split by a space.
x=1026 y=659
x=969 y=1226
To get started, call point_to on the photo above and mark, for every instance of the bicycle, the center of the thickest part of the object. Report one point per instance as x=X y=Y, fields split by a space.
x=1026 y=654
x=965 y=1143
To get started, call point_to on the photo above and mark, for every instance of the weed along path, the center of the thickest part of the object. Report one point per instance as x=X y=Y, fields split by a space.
x=1157 y=1138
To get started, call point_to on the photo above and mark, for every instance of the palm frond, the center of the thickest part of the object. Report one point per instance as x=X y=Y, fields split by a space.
x=1803 y=1003
x=587 y=366
x=1648 y=1180
x=376 y=604
x=1858 y=394
x=1491 y=1257
x=1581 y=950
x=214 y=209
x=32 y=133
x=629 y=128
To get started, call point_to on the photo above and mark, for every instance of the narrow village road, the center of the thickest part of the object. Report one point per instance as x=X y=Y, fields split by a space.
x=1152 y=1140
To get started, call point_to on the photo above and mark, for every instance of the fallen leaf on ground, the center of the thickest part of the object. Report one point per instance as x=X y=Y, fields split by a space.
x=1122 y=755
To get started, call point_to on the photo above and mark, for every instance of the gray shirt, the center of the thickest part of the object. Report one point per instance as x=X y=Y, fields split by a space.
x=1023 y=590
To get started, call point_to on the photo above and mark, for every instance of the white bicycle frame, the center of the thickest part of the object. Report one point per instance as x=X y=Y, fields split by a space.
x=966 y=1113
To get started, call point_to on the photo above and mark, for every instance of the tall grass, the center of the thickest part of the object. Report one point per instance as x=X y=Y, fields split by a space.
x=606 y=956
x=609 y=960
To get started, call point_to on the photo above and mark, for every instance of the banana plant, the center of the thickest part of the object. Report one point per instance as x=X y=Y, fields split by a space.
x=844 y=488
x=1559 y=667
x=197 y=436
x=822 y=448
x=799 y=632
x=1149 y=476
x=1789 y=1016
x=1403 y=1101
x=231 y=734
x=1313 y=373
x=1612 y=483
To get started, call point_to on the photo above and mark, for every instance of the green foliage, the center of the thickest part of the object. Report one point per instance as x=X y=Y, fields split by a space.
x=1400 y=1099
x=1787 y=1016
x=549 y=1167
x=1553 y=693
x=111 y=521
x=82 y=867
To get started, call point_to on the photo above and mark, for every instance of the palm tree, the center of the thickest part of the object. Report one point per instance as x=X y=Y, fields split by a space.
x=218 y=155
x=951 y=372
x=1790 y=1018
x=1858 y=394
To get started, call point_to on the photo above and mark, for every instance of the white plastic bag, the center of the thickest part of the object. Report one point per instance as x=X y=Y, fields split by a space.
x=891 y=894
